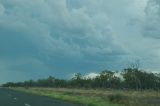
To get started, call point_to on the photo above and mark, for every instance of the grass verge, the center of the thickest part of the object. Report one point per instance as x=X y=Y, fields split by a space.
x=70 y=95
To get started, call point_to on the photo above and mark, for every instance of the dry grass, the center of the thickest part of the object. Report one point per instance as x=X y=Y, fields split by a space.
x=101 y=97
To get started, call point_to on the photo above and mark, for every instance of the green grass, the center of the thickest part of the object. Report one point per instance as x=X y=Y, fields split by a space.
x=68 y=96
x=99 y=97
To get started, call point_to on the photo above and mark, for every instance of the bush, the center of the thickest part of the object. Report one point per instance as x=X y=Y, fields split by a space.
x=117 y=98
x=91 y=104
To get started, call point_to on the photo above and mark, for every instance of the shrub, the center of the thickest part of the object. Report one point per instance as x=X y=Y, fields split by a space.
x=117 y=98
x=91 y=104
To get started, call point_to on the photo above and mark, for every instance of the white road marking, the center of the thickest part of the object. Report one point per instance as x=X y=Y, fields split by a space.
x=27 y=104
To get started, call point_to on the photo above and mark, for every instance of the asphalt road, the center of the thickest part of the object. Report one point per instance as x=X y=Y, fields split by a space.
x=13 y=98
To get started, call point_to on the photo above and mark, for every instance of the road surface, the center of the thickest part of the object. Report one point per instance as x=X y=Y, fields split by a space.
x=13 y=98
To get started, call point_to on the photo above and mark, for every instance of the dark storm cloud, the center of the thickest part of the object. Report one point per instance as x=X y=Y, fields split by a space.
x=49 y=37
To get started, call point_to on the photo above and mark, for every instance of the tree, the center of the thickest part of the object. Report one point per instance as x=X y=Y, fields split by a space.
x=77 y=80
x=105 y=78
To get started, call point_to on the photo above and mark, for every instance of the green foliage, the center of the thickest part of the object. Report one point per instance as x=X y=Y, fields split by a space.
x=138 y=79
x=133 y=78
x=91 y=104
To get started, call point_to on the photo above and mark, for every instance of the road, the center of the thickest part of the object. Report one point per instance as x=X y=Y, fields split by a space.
x=14 y=98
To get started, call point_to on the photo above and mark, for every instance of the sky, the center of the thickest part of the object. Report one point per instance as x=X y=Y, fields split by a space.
x=39 y=38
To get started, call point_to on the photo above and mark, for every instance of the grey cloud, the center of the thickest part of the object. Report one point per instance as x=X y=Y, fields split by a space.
x=67 y=35
x=46 y=29
x=151 y=26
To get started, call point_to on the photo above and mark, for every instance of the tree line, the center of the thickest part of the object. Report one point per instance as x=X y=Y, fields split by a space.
x=130 y=78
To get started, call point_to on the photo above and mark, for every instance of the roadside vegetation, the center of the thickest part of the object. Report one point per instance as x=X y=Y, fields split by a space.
x=99 y=97
x=129 y=79
x=130 y=87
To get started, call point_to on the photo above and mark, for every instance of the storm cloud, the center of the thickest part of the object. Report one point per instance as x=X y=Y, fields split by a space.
x=61 y=37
